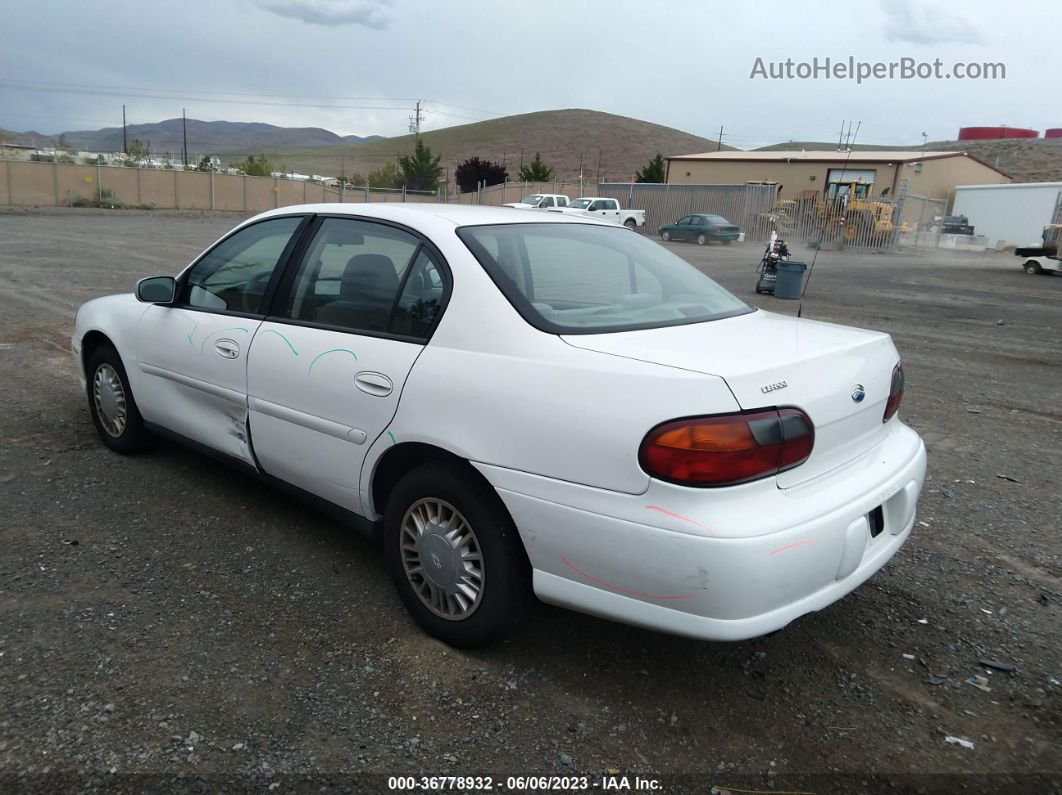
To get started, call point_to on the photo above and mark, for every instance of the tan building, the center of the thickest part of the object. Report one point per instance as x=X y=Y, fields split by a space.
x=933 y=175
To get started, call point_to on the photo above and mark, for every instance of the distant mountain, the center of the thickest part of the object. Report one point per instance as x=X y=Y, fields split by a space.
x=601 y=144
x=204 y=137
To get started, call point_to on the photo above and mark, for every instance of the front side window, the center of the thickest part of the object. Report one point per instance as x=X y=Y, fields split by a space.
x=547 y=202
x=362 y=276
x=571 y=278
x=233 y=276
x=580 y=204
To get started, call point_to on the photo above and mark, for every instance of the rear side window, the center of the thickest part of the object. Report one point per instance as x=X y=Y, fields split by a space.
x=571 y=278
x=362 y=276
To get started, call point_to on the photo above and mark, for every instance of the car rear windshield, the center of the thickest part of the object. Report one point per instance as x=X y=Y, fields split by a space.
x=583 y=278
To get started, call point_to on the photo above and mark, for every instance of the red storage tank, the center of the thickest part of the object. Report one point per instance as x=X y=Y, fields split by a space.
x=983 y=133
x=1054 y=132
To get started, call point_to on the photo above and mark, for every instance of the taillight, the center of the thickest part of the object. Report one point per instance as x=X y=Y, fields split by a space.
x=895 y=393
x=728 y=449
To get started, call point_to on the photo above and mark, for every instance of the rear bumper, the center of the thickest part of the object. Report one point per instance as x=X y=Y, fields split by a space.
x=673 y=572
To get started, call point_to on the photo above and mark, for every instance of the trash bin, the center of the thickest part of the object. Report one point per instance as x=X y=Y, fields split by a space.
x=790 y=279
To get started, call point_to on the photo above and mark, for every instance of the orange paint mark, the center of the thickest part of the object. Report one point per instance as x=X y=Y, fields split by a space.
x=679 y=517
x=790 y=546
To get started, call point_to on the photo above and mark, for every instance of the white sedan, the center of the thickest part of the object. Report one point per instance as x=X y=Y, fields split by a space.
x=523 y=404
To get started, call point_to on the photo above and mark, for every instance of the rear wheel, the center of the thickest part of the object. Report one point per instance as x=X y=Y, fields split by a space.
x=630 y=223
x=727 y=242
x=1033 y=267
x=701 y=240
x=454 y=555
x=111 y=404
x=665 y=236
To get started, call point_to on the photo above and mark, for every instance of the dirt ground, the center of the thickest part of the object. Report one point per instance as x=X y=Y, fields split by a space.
x=166 y=623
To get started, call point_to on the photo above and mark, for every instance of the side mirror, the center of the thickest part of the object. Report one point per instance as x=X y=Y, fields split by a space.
x=157 y=290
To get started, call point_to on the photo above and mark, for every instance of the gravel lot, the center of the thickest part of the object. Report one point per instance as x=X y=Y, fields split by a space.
x=164 y=616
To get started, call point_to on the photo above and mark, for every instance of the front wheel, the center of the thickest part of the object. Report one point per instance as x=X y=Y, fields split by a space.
x=455 y=556
x=111 y=404
x=665 y=236
x=1033 y=268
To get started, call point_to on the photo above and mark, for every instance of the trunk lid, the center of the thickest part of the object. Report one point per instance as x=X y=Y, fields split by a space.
x=775 y=360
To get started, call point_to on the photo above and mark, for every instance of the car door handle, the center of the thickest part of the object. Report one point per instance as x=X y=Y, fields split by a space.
x=376 y=384
x=227 y=348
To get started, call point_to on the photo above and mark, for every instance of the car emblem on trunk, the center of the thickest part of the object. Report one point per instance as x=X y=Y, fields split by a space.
x=774 y=386
x=858 y=393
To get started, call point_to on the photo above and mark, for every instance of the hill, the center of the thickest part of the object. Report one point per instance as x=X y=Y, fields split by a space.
x=1023 y=159
x=612 y=147
x=204 y=137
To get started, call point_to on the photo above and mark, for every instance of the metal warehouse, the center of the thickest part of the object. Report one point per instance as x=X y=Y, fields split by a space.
x=1013 y=214
x=932 y=175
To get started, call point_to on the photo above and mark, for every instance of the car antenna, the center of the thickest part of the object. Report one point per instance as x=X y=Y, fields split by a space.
x=826 y=220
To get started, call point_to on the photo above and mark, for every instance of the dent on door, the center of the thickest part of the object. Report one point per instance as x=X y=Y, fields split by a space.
x=192 y=376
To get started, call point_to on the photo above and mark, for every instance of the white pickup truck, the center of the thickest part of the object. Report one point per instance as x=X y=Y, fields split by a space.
x=609 y=209
x=540 y=201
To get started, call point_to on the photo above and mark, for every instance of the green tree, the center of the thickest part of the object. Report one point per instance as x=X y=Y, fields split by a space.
x=255 y=166
x=136 y=152
x=387 y=176
x=62 y=143
x=421 y=170
x=205 y=164
x=537 y=171
x=653 y=172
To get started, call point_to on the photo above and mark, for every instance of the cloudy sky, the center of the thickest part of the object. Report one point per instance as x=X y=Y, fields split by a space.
x=357 y=66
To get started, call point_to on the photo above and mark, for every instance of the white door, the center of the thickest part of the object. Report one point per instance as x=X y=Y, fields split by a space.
x=607 y=209
x=327 y=367
x=192 y=357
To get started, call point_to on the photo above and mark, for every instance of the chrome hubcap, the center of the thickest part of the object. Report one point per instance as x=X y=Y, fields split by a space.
x=109 y=397
x=442 y=559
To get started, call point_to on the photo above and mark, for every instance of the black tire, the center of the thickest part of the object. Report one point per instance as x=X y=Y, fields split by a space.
x=132 y=437
x=630 y=223
x=701 y=240
x=727 y=242
x=1033 y=268
x=506 y=572
x=665 y=236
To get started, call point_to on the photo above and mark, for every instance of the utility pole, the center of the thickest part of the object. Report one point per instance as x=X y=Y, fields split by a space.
x=184 y=135
x=598 y=165
x=840 y=137
x=719 y=145
x=415 y=120
x=125 y=143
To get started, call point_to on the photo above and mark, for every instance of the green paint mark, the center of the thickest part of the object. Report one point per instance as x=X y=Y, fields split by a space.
x=191 y=333
x=219 y=331
x=332 y=350
x=392 y=437
x=272 y=331
x=350 y=432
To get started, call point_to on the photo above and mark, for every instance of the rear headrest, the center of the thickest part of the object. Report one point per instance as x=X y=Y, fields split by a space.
x=368 y=276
